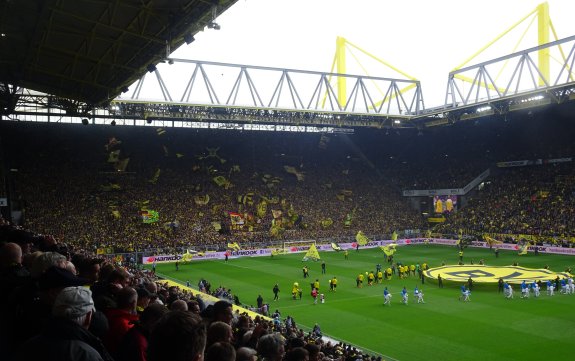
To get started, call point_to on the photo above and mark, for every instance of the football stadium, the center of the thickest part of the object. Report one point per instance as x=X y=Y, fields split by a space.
x=315 y=217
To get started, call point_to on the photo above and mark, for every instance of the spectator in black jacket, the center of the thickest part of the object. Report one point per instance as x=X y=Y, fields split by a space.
x=66 y=336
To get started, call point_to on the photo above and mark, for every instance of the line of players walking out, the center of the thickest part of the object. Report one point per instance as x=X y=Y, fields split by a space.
x=564 y=286
x=417 y=294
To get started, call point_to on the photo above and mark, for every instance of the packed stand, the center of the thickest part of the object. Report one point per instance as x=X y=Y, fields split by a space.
x=62 y=173
x=533 y=200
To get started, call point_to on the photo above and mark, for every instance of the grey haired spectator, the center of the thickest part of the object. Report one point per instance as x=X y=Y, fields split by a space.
x=67 y=337
x=45 y=261
x=271 y=347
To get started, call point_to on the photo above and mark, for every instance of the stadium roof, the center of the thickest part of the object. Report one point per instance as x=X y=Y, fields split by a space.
x=91 y=50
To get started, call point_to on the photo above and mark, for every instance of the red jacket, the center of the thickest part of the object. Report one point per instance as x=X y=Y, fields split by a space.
x=120 y=322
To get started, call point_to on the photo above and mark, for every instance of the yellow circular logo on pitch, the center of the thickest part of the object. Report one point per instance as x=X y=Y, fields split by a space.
x=491 y=274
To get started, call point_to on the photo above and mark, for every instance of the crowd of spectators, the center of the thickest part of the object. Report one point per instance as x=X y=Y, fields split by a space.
x=534 y=200
x=68 y=174
x=357 y=178
x=78 y=307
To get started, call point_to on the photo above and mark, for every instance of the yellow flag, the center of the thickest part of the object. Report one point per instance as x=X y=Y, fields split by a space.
x=234 y=245
x=187 y=257
x=292 y=170
x=490 y=240
x=523 y=248
x=122 y=164
x=262 y=209
x=114 y=156
x=156 y=176
x=326 y=223
x=202 y=200
x=389 y=250
x=312 y=254
x=275 y=229
x=361 y=238
x=222 y=181
x=217 y=226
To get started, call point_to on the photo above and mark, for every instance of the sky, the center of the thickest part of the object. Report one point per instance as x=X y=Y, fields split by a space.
x=423 y=38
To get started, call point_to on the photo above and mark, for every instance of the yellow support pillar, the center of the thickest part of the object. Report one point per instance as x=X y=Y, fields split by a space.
x=543 y=38
x=340 y=61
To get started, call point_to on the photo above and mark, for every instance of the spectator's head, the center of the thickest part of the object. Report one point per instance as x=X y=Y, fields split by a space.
x=45 y=261
x=144 y=297
x=28 y=259
x=314 y=351
x=153 y=289
x=219 y=332
x=221 y=351
x=271 y=347
x=120 y=278
x=75 y=304
x=71 y=267
x=246 y=354
x=194 y=307
x=89 y=268
x=151 y=315
x=243 y=322
x=178 y=336
x=295 y=342
x=127 y=299
x=10 y=254
x=223 y=312
x=53 y=280
x=179 y=305
x=106 y=271
x=297 y=354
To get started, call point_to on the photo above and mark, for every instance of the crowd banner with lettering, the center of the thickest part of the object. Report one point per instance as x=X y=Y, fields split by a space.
x=523 y=163
x=474 y=183
x=433 y=192
x=449 y=191
x=328 y=248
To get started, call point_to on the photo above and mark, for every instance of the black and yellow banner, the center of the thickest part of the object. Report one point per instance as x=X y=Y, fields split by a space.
x=492 y=274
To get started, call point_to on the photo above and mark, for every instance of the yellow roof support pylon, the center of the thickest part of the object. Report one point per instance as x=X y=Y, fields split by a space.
x=544 y=26
x=340 y=66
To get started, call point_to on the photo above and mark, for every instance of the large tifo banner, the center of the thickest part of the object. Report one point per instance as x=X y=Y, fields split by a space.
x=328 y=248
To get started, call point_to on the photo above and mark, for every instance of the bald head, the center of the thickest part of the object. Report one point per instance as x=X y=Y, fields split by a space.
x=10 y=254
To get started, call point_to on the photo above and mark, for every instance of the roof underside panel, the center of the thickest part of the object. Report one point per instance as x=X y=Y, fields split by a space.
x=88 y=50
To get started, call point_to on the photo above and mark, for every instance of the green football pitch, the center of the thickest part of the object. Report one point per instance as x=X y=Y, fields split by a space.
x=489 y=327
